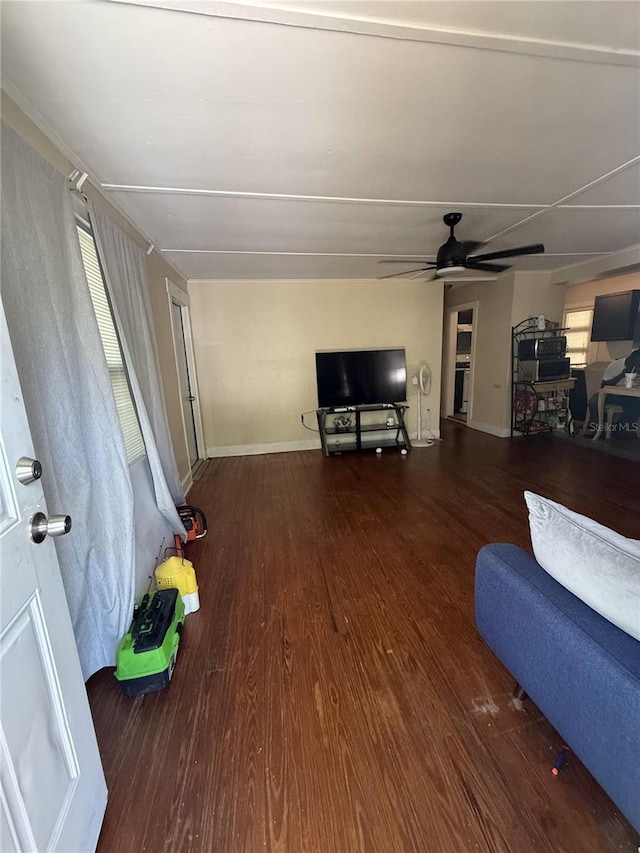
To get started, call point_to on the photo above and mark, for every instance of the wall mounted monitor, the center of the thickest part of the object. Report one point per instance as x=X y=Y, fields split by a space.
x=615 y=316
x=361 y=377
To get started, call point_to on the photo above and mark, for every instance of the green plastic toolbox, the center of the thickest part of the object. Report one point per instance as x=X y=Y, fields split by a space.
x=147 y=653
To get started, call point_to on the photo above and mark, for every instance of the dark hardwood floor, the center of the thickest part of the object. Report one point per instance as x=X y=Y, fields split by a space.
x=333 y=695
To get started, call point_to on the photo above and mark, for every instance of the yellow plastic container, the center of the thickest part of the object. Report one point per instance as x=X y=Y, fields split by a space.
x=178 y=573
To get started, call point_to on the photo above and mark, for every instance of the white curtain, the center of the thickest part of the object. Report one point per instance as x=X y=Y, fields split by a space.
x=125 y=271
x=68 y=398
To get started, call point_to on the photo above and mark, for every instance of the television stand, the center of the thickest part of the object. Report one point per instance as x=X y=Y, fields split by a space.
x=344 y=428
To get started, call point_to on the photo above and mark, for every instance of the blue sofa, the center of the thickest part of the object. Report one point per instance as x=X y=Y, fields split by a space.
x=581 y=671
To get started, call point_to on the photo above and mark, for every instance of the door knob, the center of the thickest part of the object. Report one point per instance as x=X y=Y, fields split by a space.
x=57 y=525
x=28 y=470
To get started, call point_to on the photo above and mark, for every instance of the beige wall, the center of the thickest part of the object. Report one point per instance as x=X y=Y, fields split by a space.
x=158 y=269
x=584 y=295
x=533 y=295
x=256 y=344
x=502 y=303
x=492 y=331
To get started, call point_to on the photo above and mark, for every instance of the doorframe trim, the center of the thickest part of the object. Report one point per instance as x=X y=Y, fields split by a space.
x=177 y=295
x=450 y=347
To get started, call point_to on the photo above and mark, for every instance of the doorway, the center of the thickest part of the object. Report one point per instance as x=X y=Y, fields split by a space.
x=185 y=366
x=459 y=362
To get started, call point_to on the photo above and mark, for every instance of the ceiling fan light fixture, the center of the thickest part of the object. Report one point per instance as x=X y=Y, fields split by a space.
x=455 y=257
x=452 y=270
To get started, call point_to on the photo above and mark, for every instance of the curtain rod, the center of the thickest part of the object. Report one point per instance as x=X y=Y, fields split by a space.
x=76 y=181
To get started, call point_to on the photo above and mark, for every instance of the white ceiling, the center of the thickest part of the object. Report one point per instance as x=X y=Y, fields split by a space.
x=312 y=139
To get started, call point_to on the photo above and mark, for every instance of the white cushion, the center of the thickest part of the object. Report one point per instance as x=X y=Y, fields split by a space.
x=599 y=566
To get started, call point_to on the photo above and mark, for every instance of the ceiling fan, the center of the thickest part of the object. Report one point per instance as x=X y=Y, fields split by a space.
x=456 y=256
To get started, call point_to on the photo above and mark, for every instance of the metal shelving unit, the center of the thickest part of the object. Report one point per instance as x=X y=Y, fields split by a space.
x=537 y=406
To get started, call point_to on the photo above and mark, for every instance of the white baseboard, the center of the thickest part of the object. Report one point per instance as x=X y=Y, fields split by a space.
x=186 y=482
x=284 y=446
x=256 y=449
x=500 y=432
x=428 y=433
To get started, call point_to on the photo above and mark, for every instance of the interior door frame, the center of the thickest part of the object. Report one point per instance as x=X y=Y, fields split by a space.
x=177 y=295
x=450 y=346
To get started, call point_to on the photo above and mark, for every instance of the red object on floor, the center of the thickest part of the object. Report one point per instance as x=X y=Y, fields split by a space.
x=194 y=520
x=560 y=761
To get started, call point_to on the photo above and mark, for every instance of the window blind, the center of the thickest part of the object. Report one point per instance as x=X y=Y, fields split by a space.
x=133 y=441
x=578 y=332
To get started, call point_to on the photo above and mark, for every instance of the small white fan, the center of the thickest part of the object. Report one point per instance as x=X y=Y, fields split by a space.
x=423 y=388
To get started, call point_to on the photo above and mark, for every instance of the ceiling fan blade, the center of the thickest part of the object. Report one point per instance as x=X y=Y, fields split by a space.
x=404 y=261
x=536 y=249
x=404 y=272
x=473 y=265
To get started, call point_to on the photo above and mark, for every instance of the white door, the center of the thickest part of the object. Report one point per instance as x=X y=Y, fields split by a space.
x=187 y=397
x=53 y=790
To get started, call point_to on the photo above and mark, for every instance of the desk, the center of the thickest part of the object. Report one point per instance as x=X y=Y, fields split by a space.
x=618 y=390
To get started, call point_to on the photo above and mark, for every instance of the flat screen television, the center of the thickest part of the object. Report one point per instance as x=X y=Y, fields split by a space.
x=361 y=377
x=615 y=316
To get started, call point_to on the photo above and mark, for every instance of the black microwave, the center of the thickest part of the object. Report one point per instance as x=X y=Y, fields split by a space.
x=544 y=369
x=555 y=347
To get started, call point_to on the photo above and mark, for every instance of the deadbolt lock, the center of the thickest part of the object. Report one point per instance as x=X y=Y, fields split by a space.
x=28 y=470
